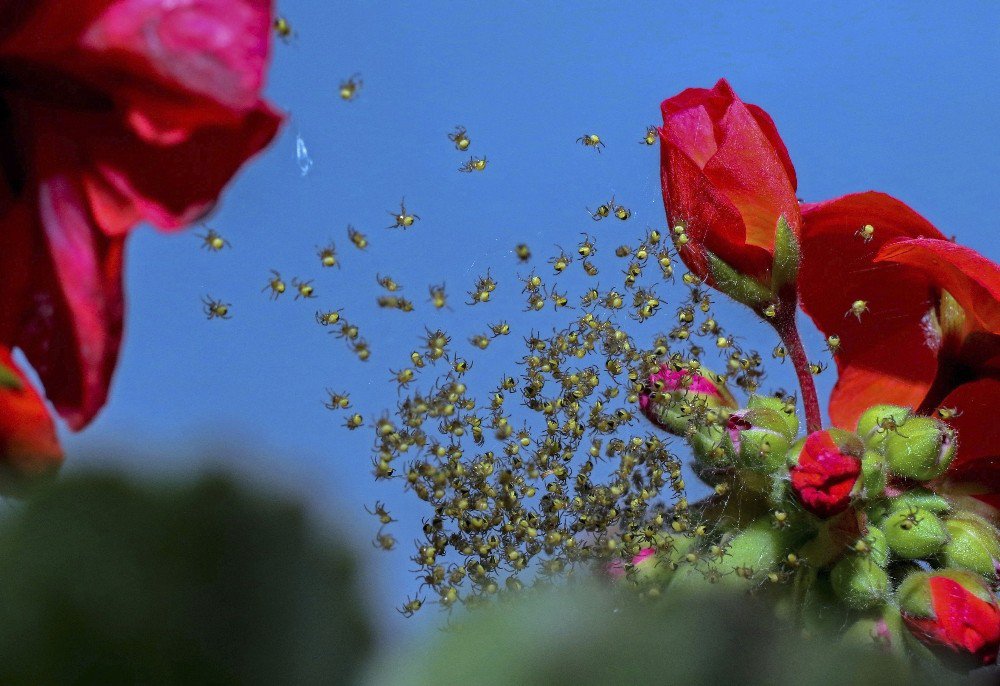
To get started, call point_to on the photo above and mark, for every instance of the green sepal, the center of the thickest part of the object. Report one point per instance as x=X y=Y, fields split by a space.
x=9 y=381
x=739 y=287
x=923 y=499
x=787 y=257
x=758 y=548
x=873 y=469
x=878 y=546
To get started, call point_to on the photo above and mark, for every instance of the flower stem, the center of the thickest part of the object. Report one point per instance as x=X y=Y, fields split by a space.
x=786 y=327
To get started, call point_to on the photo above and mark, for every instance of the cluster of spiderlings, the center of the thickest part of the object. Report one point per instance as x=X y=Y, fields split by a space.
x=554 y=466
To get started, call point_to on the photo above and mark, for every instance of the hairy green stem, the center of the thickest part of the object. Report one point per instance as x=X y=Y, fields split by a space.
x=784 y=323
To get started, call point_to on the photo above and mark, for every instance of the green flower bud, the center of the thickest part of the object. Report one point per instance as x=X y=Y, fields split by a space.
x=859 y=582
x=756 y=550
x=762 y=450
x=914 y=533
x=884 y=632
x=874 y=474
x=921 y=449
x=974 y=544
x=789 y=421
x=877 y=421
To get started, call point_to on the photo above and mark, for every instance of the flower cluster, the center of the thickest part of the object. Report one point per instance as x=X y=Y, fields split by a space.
x=875 y=509
x=111 y=113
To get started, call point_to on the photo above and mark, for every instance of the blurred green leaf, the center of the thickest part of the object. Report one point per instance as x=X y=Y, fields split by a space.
x=107 y=581
x=588 y=635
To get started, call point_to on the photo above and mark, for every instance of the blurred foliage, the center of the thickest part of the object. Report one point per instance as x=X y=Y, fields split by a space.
x=107 y=581
x=590 y=635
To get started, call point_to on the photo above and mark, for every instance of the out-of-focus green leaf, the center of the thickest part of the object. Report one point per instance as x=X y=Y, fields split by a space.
x=104 y=581
x=589 y=636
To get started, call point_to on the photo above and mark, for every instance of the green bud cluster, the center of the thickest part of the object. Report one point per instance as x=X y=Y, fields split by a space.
x=859 y=560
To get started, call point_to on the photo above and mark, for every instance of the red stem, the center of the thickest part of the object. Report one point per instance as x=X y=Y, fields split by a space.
x=786 y=327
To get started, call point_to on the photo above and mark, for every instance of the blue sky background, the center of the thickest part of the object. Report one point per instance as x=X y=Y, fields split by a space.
x=895 y=96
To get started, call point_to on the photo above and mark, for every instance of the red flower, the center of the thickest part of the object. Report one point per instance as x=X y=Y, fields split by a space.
x=929 y=336
x=825 y=475
x=112 y=112
x=727 y=175
x=960 y=619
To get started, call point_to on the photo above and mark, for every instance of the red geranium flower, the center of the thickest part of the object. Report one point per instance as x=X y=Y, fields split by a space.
x=112 y=112
x=928 y=336
x=726 y=173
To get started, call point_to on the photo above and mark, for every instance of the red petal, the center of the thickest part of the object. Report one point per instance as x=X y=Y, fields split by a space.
x=173 y=185
x=748 y=170
x=714 y=223
x=170 y=67
x=973 y=280
x=74 y=332
x=886 y=356
x=23 y=247
x=28 y=444
x=768 y=128
x=976 y=468
x=965 y=621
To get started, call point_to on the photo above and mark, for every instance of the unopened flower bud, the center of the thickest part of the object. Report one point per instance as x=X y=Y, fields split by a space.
x=756 y=550
x=974 y=544
x=781 y=409
x=674 y=397
x=878 y=421
x=641 y=562
x=952 y=609
x=825 y=471
x=921 y=448
x=914 y=533
x=758 y=437
x=761 y=450
x=859 y=582
x=883 y=631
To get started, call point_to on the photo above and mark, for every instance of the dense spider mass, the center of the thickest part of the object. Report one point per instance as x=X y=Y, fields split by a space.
x=552 y=466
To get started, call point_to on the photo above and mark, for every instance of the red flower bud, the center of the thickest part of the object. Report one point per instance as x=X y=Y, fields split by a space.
x=670 y=395
x=824 y=475
x=616 y=568
x=955 y=611
x=727 y=180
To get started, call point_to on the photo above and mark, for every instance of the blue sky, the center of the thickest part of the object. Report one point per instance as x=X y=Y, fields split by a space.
x=896 y=96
